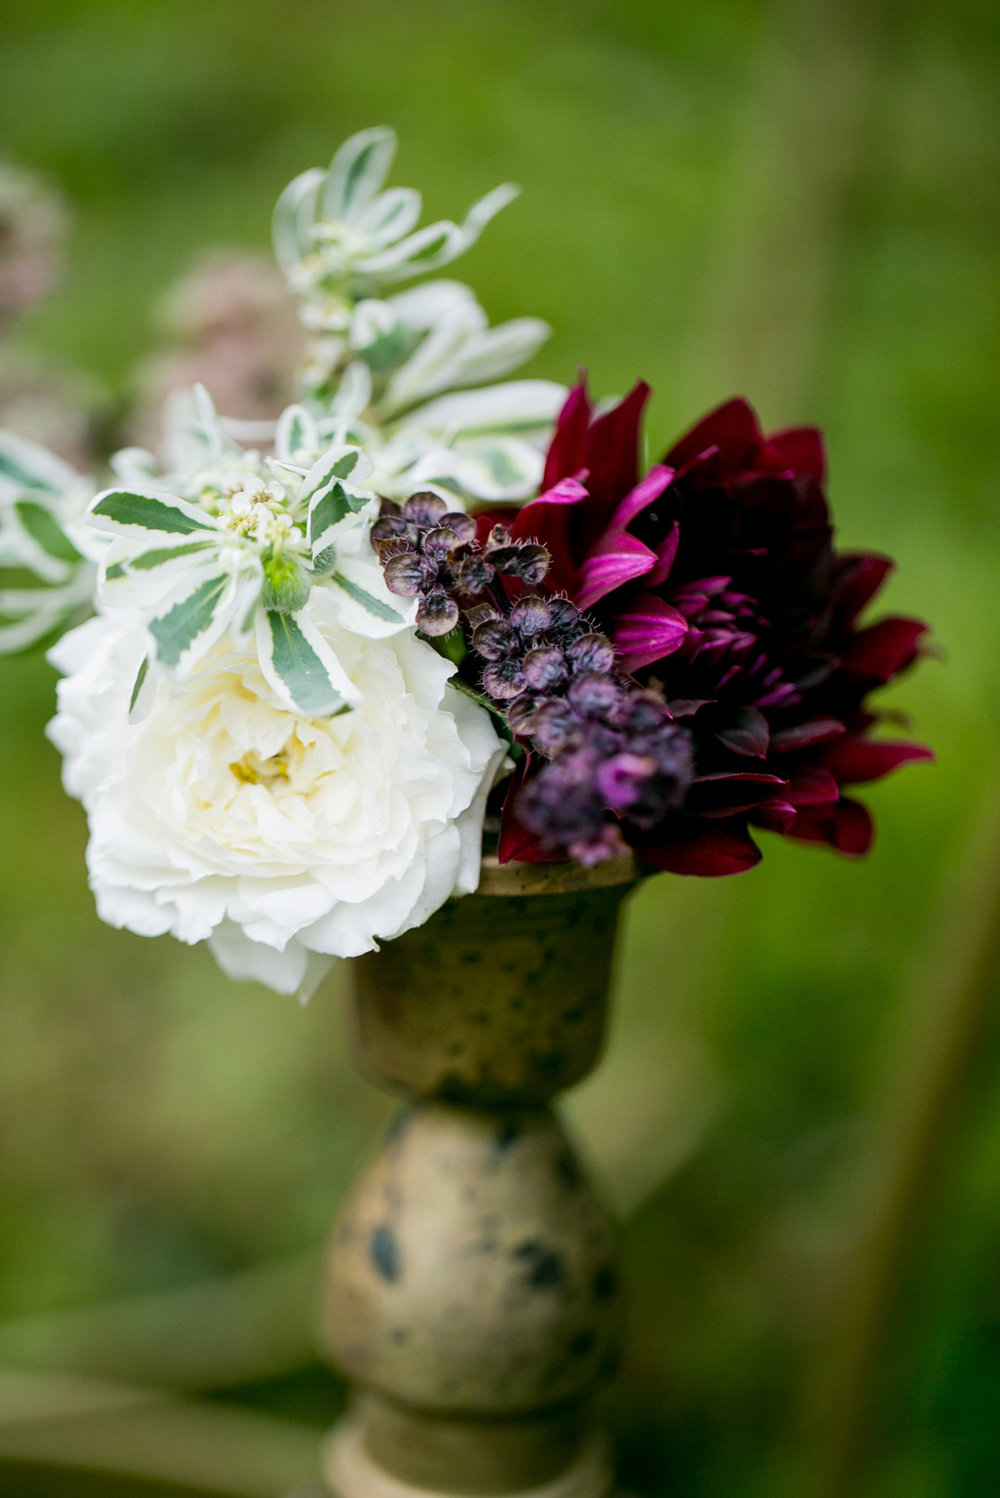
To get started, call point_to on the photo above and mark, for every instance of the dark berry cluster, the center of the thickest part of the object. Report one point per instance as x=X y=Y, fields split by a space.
x=600 y=749
x=431 y=553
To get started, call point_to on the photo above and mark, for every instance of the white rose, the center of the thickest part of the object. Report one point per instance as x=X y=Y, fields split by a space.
x=283 y=841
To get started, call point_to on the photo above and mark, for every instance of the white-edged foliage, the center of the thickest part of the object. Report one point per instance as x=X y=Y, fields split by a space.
x=42 y=500
x=236 y=544
x=381 y=358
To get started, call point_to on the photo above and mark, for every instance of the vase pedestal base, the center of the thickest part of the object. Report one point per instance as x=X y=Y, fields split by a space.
x=487 y=1458
x=472 y=1292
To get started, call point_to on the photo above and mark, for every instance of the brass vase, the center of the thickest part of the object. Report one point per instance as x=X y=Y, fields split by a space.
x=472 y=1289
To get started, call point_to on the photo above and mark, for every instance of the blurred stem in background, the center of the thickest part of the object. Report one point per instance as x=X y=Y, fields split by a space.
x=942 y=1029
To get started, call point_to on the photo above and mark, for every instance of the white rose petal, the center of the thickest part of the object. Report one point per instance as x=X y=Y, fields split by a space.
x=282 y=840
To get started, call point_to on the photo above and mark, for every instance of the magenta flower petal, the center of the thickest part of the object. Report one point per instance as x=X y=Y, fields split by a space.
x=617 y=559
x=567 y=492
x=649 y=631
x=641 y=497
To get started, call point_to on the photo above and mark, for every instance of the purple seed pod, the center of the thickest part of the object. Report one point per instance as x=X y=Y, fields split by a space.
x=545 y=668
x=504 y=680
x=404 y=574
x=530 y=616
x=592 y=652
x=438 y=613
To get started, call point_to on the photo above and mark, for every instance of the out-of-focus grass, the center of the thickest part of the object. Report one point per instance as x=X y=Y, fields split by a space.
x=790 y=200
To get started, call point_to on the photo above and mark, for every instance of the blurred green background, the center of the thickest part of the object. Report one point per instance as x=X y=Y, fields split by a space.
x=799 y=1114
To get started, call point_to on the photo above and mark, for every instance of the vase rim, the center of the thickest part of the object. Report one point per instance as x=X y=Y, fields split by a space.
x=553 y=878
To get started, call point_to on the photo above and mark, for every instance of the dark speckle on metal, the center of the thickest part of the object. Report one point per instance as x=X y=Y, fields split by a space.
x=384 y=1252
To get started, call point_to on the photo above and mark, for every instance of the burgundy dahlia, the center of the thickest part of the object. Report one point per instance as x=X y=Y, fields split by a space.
x=717 y=579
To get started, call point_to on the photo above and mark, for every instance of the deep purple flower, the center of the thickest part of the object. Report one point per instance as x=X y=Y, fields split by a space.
x=601 y=756
x=717 y=579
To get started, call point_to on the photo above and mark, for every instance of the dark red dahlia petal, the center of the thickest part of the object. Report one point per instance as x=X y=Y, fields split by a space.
x=666 y=554
x=745 y=732
x=517 y=844
x=861 y=575
x=547 y=521
x=773 y=816
x=733 y=425
x=799 y=450
x=854 y=761
x=812 y=787
x=846 y=826
x=707 y=852
x=568 y=450
x=806 y=735
x=877 y=653
x=613 y=449
x=727 y=795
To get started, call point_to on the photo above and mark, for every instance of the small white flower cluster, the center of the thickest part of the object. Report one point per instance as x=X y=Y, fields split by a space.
x=270 y=756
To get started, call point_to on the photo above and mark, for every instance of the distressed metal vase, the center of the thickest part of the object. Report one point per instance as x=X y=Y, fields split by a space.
x=472 y=1292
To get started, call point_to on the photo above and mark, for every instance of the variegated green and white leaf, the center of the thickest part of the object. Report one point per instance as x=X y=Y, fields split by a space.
x=390 y=215
x=366 y=606
x=300 y=667
x=135 y=467
x=353 y=395
x=423 y=307
x=424 y=250
x=123 y=512
x=437 y=244
x=36 y=540
x=378 y=336
x=28 y=615
x=328 y=511
x=487 y=469
x=184 y=632
x=519 y=408
x=356 y=174
x=157 y=584
x=339 y=462
x=295 y=435
x=24 y=465
x=436 y=360
x=294 y=216
x=143 y=692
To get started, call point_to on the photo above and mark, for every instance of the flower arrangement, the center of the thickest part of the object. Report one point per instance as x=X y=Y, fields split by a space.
x=309 y=663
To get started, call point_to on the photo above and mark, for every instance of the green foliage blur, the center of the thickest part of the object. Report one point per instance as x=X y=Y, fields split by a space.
x=789 y=199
